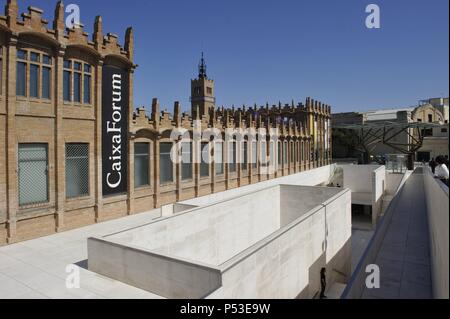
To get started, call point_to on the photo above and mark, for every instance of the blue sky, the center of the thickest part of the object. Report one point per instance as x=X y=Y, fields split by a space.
x=272 y=51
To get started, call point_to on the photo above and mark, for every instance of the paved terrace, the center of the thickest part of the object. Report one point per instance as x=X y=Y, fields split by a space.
x=37 y=268
x=404 y=256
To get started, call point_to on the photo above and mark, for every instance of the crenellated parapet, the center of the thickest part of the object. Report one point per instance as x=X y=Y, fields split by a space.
x=32 y=24
x=292 y=120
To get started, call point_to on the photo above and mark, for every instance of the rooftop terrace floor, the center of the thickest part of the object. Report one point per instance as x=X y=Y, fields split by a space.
x=404 y=256
x=36 y=269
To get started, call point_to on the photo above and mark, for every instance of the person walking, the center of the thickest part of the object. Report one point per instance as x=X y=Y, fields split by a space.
x=432 y=164
x=323 y=283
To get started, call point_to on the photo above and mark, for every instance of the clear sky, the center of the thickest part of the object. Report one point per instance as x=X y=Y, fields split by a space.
x=258 y=50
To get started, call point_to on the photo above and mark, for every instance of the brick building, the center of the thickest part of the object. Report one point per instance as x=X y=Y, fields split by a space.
x=57 y=87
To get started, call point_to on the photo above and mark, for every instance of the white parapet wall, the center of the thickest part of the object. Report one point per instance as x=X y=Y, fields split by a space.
x=379 y=186
x=438 y=211
x=172 y=209
x=270 y=243
x=313 y=177
x=367 y=184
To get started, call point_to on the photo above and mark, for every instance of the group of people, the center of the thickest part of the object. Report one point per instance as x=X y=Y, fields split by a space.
x=439 y=167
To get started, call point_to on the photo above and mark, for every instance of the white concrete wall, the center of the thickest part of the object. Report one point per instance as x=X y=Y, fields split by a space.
x=164 y=276
x=338 y=224
x=379 y=187
x=379 y=181
x=438 y=223
x=358 y=178
x=297 y=200
x=393 y=182
x=242 y=239
x=368 y=185
x=281 y=268
x=312 y=177
x=171 y=209
x=288 y=262
x=214 y=233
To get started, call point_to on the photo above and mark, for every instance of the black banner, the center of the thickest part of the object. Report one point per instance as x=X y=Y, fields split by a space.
x=115 y=100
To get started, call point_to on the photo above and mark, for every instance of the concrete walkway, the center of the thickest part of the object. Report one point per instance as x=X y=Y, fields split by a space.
x=404 y=257
x=36 y=269
x=360 y=240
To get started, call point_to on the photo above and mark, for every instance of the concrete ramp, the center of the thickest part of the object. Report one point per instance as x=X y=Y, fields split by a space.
x=404 y=256
x=400 y=248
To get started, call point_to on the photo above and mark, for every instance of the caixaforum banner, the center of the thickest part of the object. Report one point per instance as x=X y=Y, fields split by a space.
x=115 y=106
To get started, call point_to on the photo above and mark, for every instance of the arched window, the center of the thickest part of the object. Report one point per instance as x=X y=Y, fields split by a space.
x=254 y=154
x=244 y=155
x=165 y=163
x=232 y=156
x=141 y=164
x=285 y=153
x=280 y=149
x=272 y=154
x=205 y=160
x=218 y=157
x=263 y=153
x=291 y=150
x=186 y=160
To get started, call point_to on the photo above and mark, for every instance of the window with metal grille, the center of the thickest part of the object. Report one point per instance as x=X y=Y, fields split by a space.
x=33 y=174
x=141 y=164
x=186 y=158
x=204 y=164
x=165 y=163
x=77 y=170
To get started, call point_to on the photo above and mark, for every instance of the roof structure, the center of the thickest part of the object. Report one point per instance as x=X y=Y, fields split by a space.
x=373 y=133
